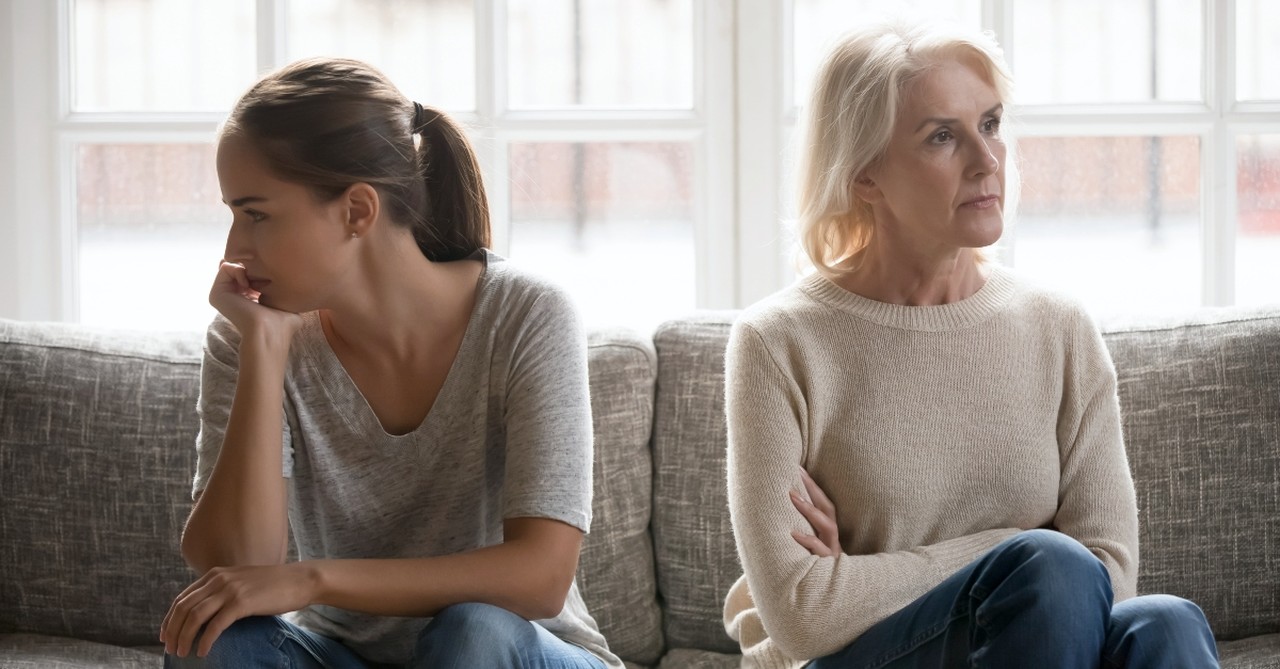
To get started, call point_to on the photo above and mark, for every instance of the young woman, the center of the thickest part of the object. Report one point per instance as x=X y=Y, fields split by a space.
x=411 y=407
x=926 y=466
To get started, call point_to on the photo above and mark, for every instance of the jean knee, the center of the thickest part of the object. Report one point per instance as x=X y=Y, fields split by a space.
x=1056 y=565
x=237 y=646
x=1156 y=618
x=474 y=634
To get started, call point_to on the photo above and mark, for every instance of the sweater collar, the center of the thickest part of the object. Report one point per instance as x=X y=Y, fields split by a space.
x=989 y=299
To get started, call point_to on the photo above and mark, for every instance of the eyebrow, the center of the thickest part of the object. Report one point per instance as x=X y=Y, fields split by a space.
x=943 y=121
x=240 y=202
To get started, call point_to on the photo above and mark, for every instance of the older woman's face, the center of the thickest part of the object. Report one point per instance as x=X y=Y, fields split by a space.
x=940 y=185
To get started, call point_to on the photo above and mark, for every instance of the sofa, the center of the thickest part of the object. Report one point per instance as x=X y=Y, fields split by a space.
x=97 y=429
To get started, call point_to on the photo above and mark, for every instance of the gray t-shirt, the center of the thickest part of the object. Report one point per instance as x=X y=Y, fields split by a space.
x=509 y=436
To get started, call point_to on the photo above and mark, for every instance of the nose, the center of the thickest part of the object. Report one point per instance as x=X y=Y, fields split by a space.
x=238 y=247
x=987 y=154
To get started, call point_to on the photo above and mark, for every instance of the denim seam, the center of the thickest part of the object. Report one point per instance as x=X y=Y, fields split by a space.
x=915 y=642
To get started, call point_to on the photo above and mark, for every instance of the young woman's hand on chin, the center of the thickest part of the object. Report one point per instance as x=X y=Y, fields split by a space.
x=234 y=297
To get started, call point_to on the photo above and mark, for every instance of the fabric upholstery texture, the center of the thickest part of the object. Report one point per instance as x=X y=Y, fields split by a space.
x=34 y=651
x=693 y=540
x=1259 y=652
x=97 y=434
x=96 y=450
x=1201 y=412
x=616 y=570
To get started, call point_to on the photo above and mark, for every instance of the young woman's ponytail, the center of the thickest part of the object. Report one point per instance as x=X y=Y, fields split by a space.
x=456 y=218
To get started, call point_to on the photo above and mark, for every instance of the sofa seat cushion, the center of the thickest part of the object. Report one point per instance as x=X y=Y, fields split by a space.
x=686 y=658
x=1259 y=652
x=35 y=651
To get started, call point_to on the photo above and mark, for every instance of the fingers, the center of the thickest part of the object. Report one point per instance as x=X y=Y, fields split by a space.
x=812 y=544
x=819 y=511
x=823 y=525
x=201 y=603
x=816 y=494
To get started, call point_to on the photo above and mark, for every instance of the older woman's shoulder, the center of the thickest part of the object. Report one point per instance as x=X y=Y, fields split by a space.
x=1039 y=299
x=781 y=310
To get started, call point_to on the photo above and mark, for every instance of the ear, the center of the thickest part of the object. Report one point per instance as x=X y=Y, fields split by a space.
x=362 y=205
x=865 y=188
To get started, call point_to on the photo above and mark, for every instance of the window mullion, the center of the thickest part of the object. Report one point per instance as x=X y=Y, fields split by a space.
x=491 y=103
x=272 y=41
x=1218 y=169
x=762 y=26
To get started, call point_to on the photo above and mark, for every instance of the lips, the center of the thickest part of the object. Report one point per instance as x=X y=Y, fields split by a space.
x=258 y=284
x=982 y=202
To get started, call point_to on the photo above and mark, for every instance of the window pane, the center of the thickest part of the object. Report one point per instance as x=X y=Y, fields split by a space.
x=1258 y=238
x=1112 y=220
x=151 y=231
x=426 y=47
x=818 y=23
x=160 y=55
x=613 y=223
x=1089 y=51
x=1257 y=49
x=569 y=53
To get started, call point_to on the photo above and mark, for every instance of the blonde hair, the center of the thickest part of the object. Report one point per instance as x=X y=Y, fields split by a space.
x=850 y=120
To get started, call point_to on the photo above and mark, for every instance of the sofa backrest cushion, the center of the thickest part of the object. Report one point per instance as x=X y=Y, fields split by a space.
x=693 y=539
x=616 y=569
x=96 y=454
x=97 y=450
x=1201 y=410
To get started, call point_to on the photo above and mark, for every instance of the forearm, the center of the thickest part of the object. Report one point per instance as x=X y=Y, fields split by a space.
x=241 y=517
x=528 y=575
x=814 y=606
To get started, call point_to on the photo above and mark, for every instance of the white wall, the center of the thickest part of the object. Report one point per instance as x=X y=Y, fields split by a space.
x=31 y=261
x=8 y=194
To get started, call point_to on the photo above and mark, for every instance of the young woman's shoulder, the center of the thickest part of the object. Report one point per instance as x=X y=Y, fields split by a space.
x=516 y=290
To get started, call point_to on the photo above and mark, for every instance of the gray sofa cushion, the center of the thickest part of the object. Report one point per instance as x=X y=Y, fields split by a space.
x=1259 y=652
x=693 y=540
x=33 y=651
x=96 y=439
x=616 y=569
x=1201 y=407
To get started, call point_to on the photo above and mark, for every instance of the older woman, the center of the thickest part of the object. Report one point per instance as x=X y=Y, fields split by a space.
x=926 y=465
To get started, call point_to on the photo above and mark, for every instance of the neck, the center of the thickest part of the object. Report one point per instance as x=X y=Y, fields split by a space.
x=915 y=280
x=399 y=305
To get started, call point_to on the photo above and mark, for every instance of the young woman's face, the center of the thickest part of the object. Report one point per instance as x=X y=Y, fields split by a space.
x=291 y=245
x=940 y=185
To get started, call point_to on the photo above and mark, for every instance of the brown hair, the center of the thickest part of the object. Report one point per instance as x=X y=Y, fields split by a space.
x=329 y=123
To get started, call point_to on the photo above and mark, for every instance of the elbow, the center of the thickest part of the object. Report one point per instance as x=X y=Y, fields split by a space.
x=798 y=640
x=546 y=599
x=202 y=555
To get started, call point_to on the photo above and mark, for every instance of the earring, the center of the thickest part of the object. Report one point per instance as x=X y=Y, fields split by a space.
x=354 y=235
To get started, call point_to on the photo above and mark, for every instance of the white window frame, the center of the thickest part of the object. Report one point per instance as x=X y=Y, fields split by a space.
x=765 y=53
x=738 y=123
x=41 y=262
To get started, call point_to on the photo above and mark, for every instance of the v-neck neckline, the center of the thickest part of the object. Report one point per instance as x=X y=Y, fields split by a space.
x=361 y=417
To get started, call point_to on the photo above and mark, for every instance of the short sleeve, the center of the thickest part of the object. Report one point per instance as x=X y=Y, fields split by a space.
x=218 y=371
x=547 y=414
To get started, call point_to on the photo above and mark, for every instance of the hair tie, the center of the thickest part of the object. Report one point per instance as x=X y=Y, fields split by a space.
x=419 y=118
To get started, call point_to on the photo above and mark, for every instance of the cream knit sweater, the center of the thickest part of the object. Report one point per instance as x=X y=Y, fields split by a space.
x=938 y=432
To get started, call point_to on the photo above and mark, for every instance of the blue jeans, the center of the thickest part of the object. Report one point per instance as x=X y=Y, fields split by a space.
x=461 y=636
x=1039 y=599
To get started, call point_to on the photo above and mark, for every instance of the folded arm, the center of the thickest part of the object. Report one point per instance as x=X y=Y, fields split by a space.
x=809 y=605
